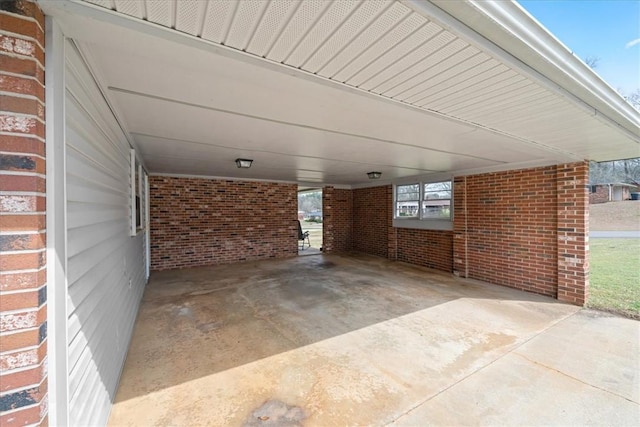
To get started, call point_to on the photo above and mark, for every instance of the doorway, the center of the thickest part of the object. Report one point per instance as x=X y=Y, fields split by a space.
x=311 y=219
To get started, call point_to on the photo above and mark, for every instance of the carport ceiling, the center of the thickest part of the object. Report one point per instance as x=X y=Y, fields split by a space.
x=325 y=91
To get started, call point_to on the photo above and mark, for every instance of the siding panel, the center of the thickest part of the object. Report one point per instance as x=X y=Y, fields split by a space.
x=106 y=267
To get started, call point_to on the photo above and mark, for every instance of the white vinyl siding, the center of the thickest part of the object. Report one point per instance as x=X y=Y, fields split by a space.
x=106 y=267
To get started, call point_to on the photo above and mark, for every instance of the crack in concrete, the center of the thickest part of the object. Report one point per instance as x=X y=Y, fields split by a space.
x=573 y=378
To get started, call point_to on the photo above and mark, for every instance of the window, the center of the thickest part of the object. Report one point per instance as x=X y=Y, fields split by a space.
x=407 y=200
x=594 y=188
x=137 y=188
x=436 y=200
x=427 y=201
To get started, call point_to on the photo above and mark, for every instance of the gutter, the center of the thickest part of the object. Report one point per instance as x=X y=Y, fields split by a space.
x=509 y=33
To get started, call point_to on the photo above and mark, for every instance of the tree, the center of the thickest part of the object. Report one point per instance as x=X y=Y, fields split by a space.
x=310 y=201
x=634 y=99
x=624 y=171
x=592 y=61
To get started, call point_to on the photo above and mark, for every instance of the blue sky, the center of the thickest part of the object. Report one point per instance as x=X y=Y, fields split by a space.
x=608 y=30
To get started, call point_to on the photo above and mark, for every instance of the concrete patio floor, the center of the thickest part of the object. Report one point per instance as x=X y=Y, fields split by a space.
x=335 y=340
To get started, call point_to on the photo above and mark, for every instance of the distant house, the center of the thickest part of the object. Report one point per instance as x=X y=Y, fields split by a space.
x=613 y=192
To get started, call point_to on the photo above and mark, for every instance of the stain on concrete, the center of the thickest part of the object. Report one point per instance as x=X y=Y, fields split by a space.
x=275 y=413
x=288 y=343
x=208 y=327
x=198 y=293
x=185 y=311
x=326 y=264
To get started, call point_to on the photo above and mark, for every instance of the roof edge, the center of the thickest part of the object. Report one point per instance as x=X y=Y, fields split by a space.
x=525 y=44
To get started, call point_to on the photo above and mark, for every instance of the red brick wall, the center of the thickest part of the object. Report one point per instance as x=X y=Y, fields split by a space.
x=23 y=291
x=373 y=233
x=337 y=230
x=573 y=232
x=197 y=222
x=371 y=220
x=511 y=220
x=429 y=248
x=526 y=229
x=600 y=196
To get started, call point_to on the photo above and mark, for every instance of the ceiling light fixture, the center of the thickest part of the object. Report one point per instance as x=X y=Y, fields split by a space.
x=374 y=175
x=244 y=163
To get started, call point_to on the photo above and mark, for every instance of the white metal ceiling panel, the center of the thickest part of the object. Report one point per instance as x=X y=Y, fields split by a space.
x=272 y=23
x=331 y=20
x=189 y=14
x=456 y=79
x=160 y=12
x=382 y=25
x=538 y=116
x=109 y=4
x=405 y=48
x=344 y=35
x=387 y=47
x=245 y=23
x=388 y=41
x=524 y=116
x=300 y=24
x=274 y=137
x=429 y=59
x=493 y=86
x=441 y=61
x=573 y=125
x=393 y=74
x=519 y=97
x=131 y=8
x=217 y=20
x=463 y=85
x=472 y=66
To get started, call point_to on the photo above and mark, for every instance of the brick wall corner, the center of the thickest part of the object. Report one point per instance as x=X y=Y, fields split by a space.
x=573 y=232
x=23 y=290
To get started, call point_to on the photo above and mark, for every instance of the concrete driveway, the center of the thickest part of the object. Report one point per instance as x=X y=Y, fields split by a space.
x=359 y=340
x=615 y=234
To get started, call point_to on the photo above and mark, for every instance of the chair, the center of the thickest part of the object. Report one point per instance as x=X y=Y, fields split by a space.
x=302 y=236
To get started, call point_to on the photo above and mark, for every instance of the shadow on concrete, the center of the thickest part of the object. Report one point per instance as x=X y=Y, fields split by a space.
x=197 y=322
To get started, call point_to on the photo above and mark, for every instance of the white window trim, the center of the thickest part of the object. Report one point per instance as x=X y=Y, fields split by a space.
x=133 y=185
x=137 y=182
x=56 y=200
x=419 y=222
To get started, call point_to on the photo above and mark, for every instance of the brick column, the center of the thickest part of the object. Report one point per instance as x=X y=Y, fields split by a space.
x=573 y=232
x=460 y=227
x=327 y=219
x=23 y=292
x=392 y=232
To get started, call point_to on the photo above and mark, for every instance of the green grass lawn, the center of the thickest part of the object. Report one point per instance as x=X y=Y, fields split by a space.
x=615 y=276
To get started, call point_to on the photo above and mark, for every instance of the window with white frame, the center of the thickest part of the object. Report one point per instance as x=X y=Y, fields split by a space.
x=428 y=201
x=436 y=200
x=137 y=192
x=407 y=201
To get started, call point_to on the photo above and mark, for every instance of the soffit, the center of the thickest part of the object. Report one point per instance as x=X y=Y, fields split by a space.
x=468 y=109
